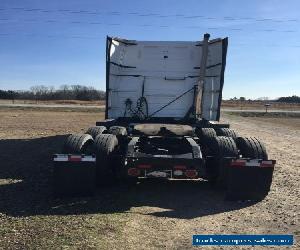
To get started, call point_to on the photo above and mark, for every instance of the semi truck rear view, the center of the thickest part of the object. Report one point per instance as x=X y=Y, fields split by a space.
x=162 y=121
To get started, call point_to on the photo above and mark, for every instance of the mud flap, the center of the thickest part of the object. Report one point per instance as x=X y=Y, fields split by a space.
x=249 y=179
x=74 y=175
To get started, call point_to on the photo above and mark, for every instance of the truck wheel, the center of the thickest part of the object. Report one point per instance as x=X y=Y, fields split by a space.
x=94 y=131
x=78 y=144
x=105 y=145
x=222 y=147
x=206 y=134
x=226 y=132
x=117 y=130
x=251 y=147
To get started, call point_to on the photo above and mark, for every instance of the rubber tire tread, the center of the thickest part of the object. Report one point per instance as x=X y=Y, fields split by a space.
x=80 y=142
x=77 y=143
x=222 y=147
x=226 y=132
x=104 y=146
x=206 y=134
x=96 y=130
x=251 y=147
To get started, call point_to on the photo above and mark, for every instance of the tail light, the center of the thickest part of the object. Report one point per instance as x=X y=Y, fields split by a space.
x=74 y=158
x=133 y=172
x=238 y=163
x=179 y=167
x=191 y=173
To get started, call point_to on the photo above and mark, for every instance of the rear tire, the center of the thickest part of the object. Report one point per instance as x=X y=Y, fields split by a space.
x=206 y=134
x=217 y=170
x=226 y=132
x=78 y=144
x=97 y=130
x=117 y=130
x=105 y=145
x=251 y=147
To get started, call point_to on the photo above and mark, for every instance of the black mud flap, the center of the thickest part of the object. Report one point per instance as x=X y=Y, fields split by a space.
x=74 y=175
x=249 y=179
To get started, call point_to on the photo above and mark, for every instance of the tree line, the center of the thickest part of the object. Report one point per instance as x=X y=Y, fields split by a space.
x=287 y=99
x=64 y=92
x=290 y=99
x=84 y=93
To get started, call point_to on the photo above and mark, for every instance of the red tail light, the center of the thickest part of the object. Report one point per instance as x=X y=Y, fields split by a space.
x=74 y=157
x=238 y=163
x=179 y=167
x=191 y=173
x=133 y=172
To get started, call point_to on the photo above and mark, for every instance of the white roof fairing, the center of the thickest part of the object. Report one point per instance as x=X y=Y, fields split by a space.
x=161 y=71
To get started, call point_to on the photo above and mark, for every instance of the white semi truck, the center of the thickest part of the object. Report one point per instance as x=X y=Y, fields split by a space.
x=162 y=110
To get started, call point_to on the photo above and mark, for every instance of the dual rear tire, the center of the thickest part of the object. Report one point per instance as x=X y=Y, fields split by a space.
x=97 y=141
x=224 y=148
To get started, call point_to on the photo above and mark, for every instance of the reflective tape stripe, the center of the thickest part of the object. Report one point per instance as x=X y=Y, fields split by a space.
x=74 y=158
x=252 y=163
x=61 y=158
x=89 y=158
x=267 y=164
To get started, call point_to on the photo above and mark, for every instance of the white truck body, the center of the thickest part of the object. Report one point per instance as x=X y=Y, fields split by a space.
x=161 y=71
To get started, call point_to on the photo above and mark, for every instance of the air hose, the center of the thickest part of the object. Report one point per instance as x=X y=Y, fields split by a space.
x=140 y=111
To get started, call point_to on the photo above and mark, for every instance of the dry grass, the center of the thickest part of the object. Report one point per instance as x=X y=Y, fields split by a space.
x=282 y=115
x=259 y=105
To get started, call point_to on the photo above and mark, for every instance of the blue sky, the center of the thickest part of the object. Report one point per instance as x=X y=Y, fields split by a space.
x=63 y=42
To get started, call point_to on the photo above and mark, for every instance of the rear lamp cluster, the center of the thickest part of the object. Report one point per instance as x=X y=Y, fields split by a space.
x=179 y=170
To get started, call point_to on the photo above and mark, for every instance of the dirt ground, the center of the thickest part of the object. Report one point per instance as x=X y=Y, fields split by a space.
x=151 y=215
